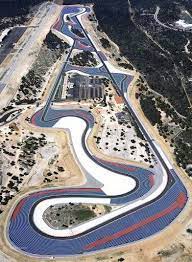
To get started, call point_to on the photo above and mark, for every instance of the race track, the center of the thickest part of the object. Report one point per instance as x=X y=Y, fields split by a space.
x=149 y=201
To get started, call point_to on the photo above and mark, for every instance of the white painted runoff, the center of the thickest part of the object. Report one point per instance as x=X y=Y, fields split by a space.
x=109 y=179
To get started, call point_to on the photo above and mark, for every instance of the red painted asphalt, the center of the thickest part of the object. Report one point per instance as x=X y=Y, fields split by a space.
x=179 y=203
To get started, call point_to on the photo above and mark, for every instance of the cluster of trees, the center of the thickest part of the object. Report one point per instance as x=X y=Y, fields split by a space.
x=77 y=32
x=149 y=108
x=106 y=82
x=29 y=148
x=17 y=7
x=63 y=216
x=91 y=17
x=15 y=12
x=126 y=66
x=182 y=143
x=170 y=11
x=53 y=175
x=169 y=111
x=29 y=88
x=85 y=58
x=105 y=42
x=156 y=65
x=183 y=149
x=31 y=84
x=53 y=42
x=169 y=65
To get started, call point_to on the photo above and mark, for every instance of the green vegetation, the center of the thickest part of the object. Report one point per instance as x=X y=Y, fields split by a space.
x=66 y=215
x=161 y=57
x=29 y=148
x=84 y=214
x=189 y=230
x=31 y=84
x=29 y=87
x=85 y=58
x=183 y=148
x=150 y=110
x=16 y=12
x=105 y=43
x=126 y=66
x=53 y=42
x=77 y=32
x=174 y=128
x=107 y=209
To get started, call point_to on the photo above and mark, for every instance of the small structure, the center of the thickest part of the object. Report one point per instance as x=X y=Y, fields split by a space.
x=118 y=99
x=85 y=87
x=122 y=117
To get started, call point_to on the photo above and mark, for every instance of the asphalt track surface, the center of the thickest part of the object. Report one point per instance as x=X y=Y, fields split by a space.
x=133 y=225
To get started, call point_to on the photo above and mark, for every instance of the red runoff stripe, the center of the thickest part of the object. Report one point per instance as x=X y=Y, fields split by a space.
x=18 y=208
x=179 y=203
x=123 y=166
x=35 y=194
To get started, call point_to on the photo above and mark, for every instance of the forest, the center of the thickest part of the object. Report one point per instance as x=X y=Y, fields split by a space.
x=11 y=8
x=158 y=53
x=163 y=68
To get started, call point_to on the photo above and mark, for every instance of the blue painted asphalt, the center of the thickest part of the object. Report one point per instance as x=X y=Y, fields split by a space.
x=162 y=211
